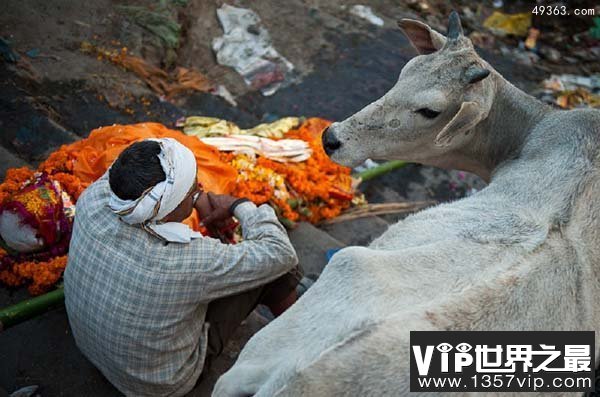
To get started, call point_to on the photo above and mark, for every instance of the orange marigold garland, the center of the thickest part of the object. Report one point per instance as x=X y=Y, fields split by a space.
x=58 y=161
x=70 y=184
x=311 y=190
x=15 y=178
x=43 y=275
x=7 y=276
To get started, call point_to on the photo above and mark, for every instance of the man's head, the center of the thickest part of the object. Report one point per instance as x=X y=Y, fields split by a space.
x=138 y=169
x=439 y=97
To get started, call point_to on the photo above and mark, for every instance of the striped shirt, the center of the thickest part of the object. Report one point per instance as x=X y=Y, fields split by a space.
x=137 y=305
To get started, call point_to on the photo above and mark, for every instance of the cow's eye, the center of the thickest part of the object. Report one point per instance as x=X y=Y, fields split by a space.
x=428 y=113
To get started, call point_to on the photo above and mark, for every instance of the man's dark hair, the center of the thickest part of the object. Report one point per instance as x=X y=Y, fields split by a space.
x=136 y=169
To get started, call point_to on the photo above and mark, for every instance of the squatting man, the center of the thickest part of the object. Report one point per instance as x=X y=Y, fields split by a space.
x=150 y=301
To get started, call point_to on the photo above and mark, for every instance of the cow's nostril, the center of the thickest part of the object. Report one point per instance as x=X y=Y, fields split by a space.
x=330 y=142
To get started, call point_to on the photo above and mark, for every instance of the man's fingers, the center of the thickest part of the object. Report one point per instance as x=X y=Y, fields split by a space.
x=210 y=218
x=207 y=220
x=216 y=215
x=219 y=208
x=212 y=200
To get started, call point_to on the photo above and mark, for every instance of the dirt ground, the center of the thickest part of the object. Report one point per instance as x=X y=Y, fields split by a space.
x=56 y=93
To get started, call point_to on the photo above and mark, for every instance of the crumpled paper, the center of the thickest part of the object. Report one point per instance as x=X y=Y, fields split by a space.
x=246 y=46
x=366 y=12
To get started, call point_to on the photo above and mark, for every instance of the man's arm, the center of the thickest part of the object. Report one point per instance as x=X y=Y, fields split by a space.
x=225 y=269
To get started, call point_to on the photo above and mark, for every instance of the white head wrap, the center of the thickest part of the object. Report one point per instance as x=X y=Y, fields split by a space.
x=179 y=165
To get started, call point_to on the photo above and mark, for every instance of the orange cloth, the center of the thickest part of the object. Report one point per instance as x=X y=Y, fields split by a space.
x=89 y=158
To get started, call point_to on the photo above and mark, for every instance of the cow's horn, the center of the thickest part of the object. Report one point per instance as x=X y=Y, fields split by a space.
x=454 y=28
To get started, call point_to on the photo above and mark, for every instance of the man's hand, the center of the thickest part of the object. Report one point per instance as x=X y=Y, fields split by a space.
x=214 y=208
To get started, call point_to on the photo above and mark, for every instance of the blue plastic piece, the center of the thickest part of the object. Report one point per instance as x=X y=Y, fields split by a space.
x=331 y=252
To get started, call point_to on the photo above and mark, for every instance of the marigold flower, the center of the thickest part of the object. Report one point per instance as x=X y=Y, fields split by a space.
x=322 y=186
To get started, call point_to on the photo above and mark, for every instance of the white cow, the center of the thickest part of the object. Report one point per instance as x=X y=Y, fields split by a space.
x=522 y=254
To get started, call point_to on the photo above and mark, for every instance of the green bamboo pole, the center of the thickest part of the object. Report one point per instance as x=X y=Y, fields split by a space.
x=29 y=308
x=381 y=169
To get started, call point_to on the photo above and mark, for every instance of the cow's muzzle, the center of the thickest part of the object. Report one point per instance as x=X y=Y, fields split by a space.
x=330 y=142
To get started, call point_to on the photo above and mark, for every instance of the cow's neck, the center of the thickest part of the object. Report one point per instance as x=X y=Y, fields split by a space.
x=502 y=134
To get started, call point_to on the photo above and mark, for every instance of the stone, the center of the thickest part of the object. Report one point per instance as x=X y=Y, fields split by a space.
x=311 y=245
x=359 y=231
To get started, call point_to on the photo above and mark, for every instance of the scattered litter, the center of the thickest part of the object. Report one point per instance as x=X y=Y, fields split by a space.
x=365 y=12
x=571 y=91
x=532 y=37
x=578 y=98
x=168 y=84
x=246 y=46
x=570 y=82
x=508 y=24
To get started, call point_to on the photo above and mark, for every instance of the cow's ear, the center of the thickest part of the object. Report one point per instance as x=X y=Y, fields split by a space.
x=468 y=116
x=421 y=36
